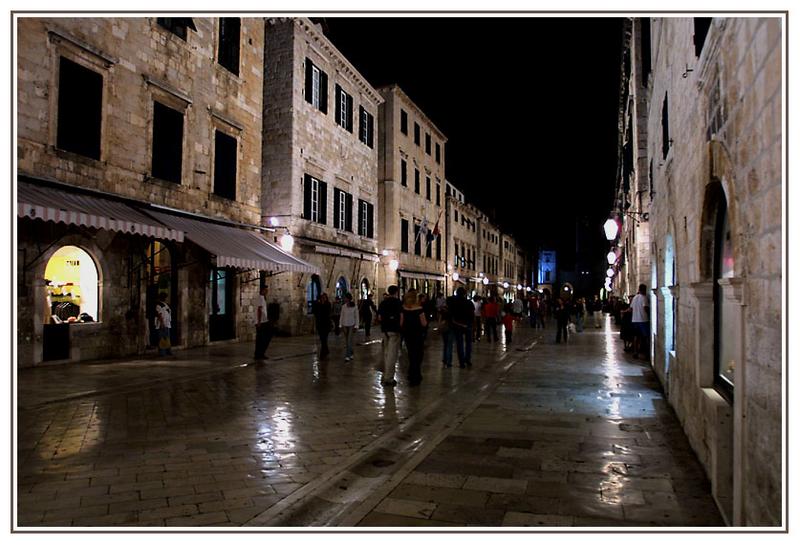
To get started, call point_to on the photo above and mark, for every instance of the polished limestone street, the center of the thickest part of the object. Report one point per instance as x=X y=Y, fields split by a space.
x=534 y=434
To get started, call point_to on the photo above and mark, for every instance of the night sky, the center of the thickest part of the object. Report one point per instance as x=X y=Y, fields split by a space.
x=528 y=104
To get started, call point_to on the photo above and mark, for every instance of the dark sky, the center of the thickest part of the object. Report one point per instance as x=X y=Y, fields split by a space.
x=528 y=104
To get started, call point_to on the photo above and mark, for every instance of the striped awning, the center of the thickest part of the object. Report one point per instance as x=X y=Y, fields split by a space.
x=236 y=247
x=61 y=206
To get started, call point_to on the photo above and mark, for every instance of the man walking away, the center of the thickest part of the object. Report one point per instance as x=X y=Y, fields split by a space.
x=322 y=318
x=389 y=318
x=462 y=313
x=639 y=320
x=263 y=327
x=163 y=323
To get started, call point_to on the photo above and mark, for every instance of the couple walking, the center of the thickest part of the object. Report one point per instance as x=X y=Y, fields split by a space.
x=402 y=320
x=324 y=321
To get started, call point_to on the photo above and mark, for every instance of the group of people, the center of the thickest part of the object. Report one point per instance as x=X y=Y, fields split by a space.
x=634 y=320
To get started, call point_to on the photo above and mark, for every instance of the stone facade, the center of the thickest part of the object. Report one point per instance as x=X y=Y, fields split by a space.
x=488 y=251
x=140 y=63
x=462 y=245
x=305 y=146
x=411 y=168
x=713 y=119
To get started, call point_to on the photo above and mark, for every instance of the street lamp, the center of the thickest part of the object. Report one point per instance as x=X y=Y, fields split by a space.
x=610 y=272
x=611 y=227
x=394 y=265
x=455 y=276
x=505 y=285
x=519 y=286
x=529 y=289
x=287 y=242
x=611 y=257
x=385 y=253
x=485 y=281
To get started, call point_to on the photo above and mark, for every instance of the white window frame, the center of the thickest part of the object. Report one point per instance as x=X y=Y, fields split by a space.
x=342 y=204
x=364 y=219
x=342 y=109
x=315 y=94
x=314 y=200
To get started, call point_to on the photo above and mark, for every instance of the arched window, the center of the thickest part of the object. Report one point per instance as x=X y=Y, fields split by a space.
x=341 y=287
x=72 y=288
x=313 y=291
x=364 y=288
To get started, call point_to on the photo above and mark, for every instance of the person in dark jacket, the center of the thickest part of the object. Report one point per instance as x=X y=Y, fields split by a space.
x=322 y=318
x=389 y=317
x=368 y=310
x=562 y=313
x=413 y=325
x=462 y=313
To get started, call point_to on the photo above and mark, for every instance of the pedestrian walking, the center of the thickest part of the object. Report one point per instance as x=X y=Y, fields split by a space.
x=446 y=333
x=336 y=311
x=263 y=327
x=322 y=319
x=491 y=313
x=580 y=314
x=348 y=320
x=562 y=313
x=640 y=318
x=597 y=311
x=368 y=311
x=413 y=325
x=389 y=317
x=440 y=303
x=517 y=307
x=478 y=304
x=429 y=309
x=163 y=323
x=508 y=322
x=462 y=313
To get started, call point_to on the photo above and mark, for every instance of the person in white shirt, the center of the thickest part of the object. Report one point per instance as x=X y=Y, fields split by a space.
x=477 y=330
x=348 y=320
x=640 y=317
x=163 y=323
x=263 y=327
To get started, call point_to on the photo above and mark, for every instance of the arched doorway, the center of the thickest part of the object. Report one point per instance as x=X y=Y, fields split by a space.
x=160 y=277
x=72 y=296
x=313 y=291
x=341 y=287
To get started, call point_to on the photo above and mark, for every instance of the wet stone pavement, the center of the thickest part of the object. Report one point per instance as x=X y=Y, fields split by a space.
x=534 y=434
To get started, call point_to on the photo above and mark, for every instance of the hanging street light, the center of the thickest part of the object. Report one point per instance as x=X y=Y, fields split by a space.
x=394 y=265
x=611 y=227
x=485 y=281
x=611 y=257
x=287 y=242
x=610 y=272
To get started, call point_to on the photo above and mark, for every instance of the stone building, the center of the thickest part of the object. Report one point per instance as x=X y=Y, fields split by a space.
x=320 y=166
x=705 y=99
x=411 y=167
x=139 y=150
x=463 y=264
x=488 y=253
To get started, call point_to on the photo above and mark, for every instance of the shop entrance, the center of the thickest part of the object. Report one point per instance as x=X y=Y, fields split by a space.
x=221 y=319
x=160 y=278
x=71 y=298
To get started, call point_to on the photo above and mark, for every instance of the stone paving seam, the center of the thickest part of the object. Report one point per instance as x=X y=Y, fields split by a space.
x=153 y=382
x=366 y=507
x=283 y=509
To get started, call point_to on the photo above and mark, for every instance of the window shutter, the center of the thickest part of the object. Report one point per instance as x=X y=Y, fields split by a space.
x=309 y=81
x=323 y=92
x=336 y=211
x=323 y=202
x=362 y=125
x=307 y=197
x=348 y=212
x=349 y=119
x=370 y=221
x=370 y=130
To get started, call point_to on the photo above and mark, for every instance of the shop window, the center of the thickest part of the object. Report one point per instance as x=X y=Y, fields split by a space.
x=228 y=53
x=224 y=165
x=80 y=106
x=167 y=143
x=72 y=289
